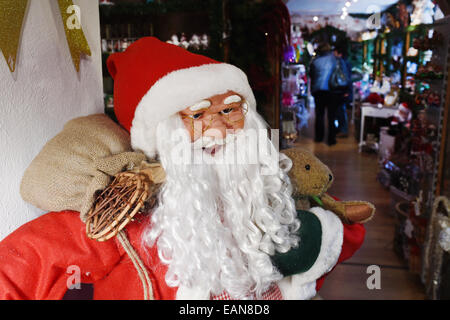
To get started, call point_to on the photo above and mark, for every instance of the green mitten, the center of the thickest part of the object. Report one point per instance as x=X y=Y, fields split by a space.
x=301 y=258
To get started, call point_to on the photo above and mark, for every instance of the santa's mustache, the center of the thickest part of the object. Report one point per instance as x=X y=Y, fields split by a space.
x=206 y=142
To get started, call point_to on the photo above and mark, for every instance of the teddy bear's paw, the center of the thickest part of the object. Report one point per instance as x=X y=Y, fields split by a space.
x=359 y=211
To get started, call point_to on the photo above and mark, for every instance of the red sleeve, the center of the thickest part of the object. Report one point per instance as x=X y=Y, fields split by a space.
x=35 y=259
x=353 y=239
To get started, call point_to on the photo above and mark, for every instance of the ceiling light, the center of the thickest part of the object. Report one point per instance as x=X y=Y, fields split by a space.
x=348 y=4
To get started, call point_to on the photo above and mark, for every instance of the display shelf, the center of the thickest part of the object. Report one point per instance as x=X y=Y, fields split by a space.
x=294 y=111
x=438 y=115
x=435 y=271
x=124 y=22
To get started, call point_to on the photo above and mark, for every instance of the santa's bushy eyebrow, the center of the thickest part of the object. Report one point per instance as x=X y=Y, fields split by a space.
x=201 y=105
x=232 y=99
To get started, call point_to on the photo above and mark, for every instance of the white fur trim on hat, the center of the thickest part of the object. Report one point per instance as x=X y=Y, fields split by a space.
x=179 y=90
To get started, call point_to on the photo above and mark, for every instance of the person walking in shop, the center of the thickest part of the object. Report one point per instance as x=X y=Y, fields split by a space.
x=320 y=72
x=346 y=97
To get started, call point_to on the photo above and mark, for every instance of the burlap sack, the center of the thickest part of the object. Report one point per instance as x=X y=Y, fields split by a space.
x=76 y=163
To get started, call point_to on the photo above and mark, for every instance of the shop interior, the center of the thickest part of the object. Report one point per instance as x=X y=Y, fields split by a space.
x=395 y=151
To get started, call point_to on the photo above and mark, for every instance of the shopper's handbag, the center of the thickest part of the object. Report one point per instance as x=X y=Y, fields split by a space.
x=339 y=81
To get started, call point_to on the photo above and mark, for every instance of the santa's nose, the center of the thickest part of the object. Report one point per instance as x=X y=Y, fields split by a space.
x=217 y=130
x=216 y=133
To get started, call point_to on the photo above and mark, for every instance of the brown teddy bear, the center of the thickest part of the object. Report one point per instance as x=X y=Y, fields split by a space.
x=311 y=179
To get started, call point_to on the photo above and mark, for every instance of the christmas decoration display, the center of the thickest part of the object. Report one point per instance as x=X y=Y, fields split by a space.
x=423 y=12
x=375 y=98
x=353 y=26
x=429 y=71
x=290 y=54
x=426 y=99
x=171 y=260
x=427 y=43
x=294 y=114
x=116 y=45
x=391 y=98
x=436 y=250
x=196 y=43
x=405 y=63
x=403 y=115
x=381 y=86
x=12 y=14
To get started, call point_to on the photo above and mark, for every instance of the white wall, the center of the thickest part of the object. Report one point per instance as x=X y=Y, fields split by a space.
x=41 y=96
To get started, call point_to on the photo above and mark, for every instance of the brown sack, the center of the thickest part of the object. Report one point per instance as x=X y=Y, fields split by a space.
x=76 y=163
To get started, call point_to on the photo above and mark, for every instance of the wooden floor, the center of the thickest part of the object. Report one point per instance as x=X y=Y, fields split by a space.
x=355 y=179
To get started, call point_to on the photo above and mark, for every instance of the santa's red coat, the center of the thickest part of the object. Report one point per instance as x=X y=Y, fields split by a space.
x=36 y=261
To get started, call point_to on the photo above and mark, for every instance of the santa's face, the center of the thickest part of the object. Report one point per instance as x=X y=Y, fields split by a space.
x=218 y=222
x=215 y=117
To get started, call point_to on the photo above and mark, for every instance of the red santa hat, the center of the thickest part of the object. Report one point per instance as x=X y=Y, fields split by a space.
x=154 y=80
x=404 y=107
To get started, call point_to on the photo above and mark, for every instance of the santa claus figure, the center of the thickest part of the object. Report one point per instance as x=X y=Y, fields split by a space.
x=224 y=211
x=402 y=116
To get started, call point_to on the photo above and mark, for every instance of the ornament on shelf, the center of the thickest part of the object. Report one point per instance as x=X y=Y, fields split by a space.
x=116 y=45
x=204 y=41
x=431 y=70
x=423 y=12
x=174 y=40
x=412 y=52
x=402 y=116
x=290 y=55
x=124 y=45
x=287 y=99
x=403 y=15
x=392 y=97
x=106 y=2
x=104 y=45
x=427 y=99
x=183 y=41
x=288 y=125
x=381 y=86
x=195 y=43
x=444 y=236
x=375 y=98
x=429 y=42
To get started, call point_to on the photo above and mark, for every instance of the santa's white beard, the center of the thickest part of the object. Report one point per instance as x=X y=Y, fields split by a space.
x=216 y=224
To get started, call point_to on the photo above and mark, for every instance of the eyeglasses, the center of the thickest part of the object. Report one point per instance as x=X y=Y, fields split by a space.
x=231 y=116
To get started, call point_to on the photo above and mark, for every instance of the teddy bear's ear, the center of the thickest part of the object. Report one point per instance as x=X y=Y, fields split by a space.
x=285 y=162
